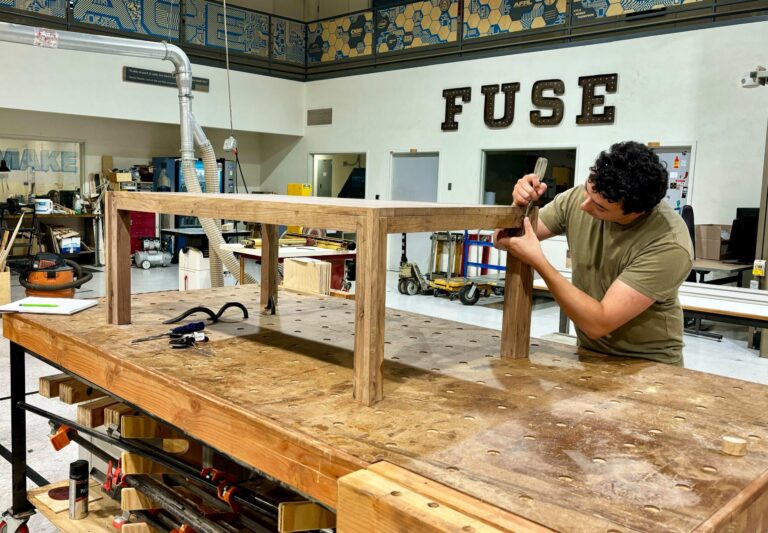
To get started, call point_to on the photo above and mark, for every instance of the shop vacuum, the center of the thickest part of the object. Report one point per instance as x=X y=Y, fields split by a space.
x=52 y=276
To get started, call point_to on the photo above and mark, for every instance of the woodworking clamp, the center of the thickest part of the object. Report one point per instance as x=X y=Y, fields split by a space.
x=227 y=486
x=213 y=317
x=176 y=333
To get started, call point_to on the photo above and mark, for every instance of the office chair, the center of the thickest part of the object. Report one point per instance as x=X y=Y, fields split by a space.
x=687 y=215
x=692 y=326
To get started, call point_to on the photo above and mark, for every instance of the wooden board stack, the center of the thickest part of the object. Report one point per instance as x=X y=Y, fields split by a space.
x=307 y=275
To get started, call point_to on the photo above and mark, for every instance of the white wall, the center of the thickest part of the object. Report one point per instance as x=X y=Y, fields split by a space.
x=88 y=84
x=676 y=89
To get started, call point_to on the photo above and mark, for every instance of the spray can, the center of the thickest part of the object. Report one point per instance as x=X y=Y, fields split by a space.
x=78 y=489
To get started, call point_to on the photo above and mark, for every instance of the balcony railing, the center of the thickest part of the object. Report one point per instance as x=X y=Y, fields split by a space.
x=371 y=38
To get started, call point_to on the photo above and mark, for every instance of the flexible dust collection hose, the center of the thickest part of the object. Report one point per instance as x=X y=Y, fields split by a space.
x=215 y=239
x=212 y=186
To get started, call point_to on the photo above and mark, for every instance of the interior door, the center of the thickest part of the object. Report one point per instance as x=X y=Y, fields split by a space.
x=324 y=177
x=414 y=178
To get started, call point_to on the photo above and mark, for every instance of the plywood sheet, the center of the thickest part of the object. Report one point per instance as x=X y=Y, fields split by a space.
x=567 y=439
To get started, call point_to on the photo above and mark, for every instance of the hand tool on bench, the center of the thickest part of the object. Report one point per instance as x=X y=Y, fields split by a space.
x=177 y=332
x=539 y=170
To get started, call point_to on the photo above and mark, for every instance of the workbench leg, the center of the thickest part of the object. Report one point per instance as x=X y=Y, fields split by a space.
x=564 y=322
x=269 y=250
x=118 y=267
x=18 y=433
x=242 y=269
x=368 y=381
x=518 y=303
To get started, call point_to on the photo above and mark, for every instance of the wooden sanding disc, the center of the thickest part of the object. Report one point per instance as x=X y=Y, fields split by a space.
x=59 y=493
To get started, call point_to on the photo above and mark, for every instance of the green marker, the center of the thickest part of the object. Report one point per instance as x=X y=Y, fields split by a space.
x=38 y=305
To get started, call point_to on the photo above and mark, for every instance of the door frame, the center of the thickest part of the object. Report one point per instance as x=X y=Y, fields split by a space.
x=522 y=148
x=311 y=165
x=391 y=177
x=398 y=153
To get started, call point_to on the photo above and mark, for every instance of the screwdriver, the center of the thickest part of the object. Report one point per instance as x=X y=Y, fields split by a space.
x=175 y=332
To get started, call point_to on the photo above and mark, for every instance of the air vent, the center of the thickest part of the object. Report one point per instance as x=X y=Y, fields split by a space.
x=319 y=117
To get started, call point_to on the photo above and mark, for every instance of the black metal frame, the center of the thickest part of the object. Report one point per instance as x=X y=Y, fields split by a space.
x=20 y=505
x=21 y=509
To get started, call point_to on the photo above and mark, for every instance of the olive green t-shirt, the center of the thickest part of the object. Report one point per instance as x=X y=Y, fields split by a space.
x=652 y=254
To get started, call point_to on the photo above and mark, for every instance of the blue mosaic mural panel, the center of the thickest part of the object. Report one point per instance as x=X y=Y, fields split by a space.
x=417 y=24
x=596 y=9
x=53 y=8
x=340 y=38
x=247 y=31
x=288 y=40
x=158 y=18
x=495 y=17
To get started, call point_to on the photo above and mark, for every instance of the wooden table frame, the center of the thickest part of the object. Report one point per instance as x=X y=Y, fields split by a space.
x=370 y=220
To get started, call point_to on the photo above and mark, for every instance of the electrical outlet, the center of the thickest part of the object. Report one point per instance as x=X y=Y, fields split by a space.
x=450 y=186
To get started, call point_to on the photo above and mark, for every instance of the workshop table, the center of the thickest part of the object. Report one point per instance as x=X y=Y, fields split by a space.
x=337 y=258
x=734 y=270
x=463 y=440
x=196 y=238
x=371 y=221
x=733 y=305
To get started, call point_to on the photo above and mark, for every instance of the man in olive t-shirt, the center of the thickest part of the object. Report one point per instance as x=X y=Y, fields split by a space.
x=629 y=250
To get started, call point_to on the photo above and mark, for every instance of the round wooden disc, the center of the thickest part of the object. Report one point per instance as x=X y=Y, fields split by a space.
x=59 y=493
x=734 y=445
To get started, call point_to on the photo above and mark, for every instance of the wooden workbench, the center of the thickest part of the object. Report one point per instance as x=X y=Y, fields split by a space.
x=371 y=221
x=574 y=442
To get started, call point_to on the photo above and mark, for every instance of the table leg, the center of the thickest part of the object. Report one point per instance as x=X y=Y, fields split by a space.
x=269 y=251
x=18 y=432
x=118 y=267
x=518 y=303
x=368 y=381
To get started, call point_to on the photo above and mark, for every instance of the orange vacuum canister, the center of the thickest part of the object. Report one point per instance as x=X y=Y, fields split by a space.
x=52 y=276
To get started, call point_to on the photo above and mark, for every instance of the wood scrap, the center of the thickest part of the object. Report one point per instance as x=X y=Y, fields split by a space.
x=48 y=386
x=307 y=275
x=7 y=249
x=77 y=392
x=114 y=413
x=91 y=414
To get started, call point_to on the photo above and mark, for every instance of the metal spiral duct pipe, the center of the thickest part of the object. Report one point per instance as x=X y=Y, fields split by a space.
x=46 y=38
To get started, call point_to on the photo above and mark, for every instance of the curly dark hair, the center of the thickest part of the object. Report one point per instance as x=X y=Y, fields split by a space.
x=630 y=173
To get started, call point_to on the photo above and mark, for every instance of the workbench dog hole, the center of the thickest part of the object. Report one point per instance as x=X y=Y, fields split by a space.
x=709 y=469
x=396 y=493
x=651 y=508
x=494 y=453
x=683 y=486
x=679 y=418
x=433 y=505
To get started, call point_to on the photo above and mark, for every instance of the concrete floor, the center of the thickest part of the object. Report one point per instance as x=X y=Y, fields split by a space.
x=731 y=358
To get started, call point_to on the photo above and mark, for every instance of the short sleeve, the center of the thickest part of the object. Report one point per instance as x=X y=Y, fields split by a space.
x=659 y=271
x=554 y=215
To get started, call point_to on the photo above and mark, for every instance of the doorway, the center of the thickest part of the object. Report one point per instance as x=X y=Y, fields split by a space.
x=338 y=175
x=502 y=169
x=414 y=178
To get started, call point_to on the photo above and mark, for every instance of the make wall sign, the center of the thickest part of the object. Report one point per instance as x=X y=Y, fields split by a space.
x=544 y=96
